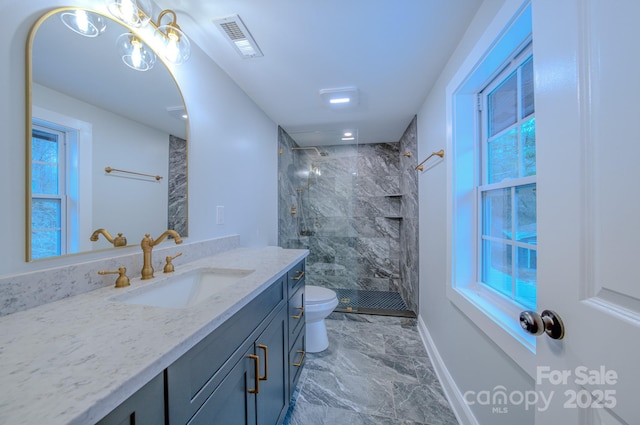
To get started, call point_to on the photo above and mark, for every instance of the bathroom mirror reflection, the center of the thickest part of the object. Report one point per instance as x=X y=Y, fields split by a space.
x=88 y=111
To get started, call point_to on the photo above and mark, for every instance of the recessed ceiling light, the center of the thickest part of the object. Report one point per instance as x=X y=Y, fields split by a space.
x=348 y=138
x=348 y=134
x=340 y=97
x=340 y=100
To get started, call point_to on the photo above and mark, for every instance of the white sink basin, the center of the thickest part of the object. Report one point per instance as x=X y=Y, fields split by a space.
x=184 y=290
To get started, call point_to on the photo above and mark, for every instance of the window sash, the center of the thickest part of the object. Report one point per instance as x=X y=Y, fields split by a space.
x=47 y=236
x=491 y=273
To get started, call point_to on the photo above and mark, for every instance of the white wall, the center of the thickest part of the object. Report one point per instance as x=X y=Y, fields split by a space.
x=473 y=361
x=232 y=148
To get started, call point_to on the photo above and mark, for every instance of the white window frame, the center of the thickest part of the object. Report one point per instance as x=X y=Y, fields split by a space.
x=61 y=196
x=519 y=58
x=80 y=164
x=508 y=34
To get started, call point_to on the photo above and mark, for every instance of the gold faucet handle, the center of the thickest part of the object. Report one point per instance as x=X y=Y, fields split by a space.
x=119 y=240
x=168 y=268
x=122 y=281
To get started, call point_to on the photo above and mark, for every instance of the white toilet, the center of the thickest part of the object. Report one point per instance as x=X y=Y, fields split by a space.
x=318 y=304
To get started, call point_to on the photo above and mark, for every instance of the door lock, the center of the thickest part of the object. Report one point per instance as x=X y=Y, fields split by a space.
x=548 y=322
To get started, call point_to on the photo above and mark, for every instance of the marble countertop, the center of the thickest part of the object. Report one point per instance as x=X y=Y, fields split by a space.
x=73 y=361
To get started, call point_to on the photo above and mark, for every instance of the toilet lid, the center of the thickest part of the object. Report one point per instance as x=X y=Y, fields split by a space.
x=318 y=294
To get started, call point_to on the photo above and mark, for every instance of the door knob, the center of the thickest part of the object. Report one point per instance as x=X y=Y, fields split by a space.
x=548 y=322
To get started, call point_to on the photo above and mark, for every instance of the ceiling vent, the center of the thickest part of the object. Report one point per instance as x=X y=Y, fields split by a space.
x=239 y=36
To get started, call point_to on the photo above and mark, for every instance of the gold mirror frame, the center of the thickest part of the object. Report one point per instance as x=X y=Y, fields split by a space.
x=29 y=128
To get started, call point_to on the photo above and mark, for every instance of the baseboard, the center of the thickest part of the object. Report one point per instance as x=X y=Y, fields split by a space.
x=463 y=413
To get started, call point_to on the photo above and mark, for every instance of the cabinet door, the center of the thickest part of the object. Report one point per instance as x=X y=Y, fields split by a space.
x=145 y=407
x=272 y=349
x=234 y=400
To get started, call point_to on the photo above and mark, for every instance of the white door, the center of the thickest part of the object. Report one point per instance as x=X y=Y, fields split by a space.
x=587 y=61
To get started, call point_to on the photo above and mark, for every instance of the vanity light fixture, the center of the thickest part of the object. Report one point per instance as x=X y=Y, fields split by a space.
x=135 y=54
x=83 y=22
x=176 y=45
x=135 y=13
x=169 y=39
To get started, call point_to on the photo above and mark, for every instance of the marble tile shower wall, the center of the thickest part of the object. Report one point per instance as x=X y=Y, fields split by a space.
x=350 y=213
x=177 y=185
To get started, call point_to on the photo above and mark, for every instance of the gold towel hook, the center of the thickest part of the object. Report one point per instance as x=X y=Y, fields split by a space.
x=440 y=153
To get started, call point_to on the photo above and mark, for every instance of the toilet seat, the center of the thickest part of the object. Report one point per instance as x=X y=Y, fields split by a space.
x=318 y=295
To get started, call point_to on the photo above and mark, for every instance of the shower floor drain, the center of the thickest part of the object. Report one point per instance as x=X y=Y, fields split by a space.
x=365 y=301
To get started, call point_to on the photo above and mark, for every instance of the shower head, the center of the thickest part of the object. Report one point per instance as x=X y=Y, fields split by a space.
x=318 y=151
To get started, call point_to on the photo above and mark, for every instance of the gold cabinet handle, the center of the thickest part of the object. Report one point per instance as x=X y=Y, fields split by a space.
x=301 y=358
x=300 y=274
x=256 y=365
x=298 y=316
x=266 y=361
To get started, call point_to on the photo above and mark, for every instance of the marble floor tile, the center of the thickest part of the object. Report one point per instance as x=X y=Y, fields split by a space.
x=375 y=371
x=355 y=393
x=422 y=403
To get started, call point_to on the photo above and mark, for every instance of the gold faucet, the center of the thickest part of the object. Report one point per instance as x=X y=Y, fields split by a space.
x=169 y=267
x=122 y=281
x=147 y=245
x=117 y=241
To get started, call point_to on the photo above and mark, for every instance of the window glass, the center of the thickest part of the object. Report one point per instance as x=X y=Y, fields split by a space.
x=496 y=210
x=44 y=153
x=528 y=141
x=527 y=88
x=503 y=157
x=497 y=266
x=503 y=103
x=46 y=227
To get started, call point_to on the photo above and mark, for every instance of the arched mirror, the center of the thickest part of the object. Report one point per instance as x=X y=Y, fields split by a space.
x=106 y=146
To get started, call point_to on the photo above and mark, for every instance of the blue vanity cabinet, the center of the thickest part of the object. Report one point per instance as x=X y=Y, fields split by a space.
x=215 y=381
x=145 y=407
x=255 y=391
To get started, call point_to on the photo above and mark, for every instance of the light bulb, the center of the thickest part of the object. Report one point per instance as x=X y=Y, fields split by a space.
x=128 y=11
x=132 y=12
x=82 y=21
x=136 y=54
x=176 y=47
x=172 y=52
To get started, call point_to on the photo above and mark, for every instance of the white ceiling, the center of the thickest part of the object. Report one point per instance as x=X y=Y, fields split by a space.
x=391 y=50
